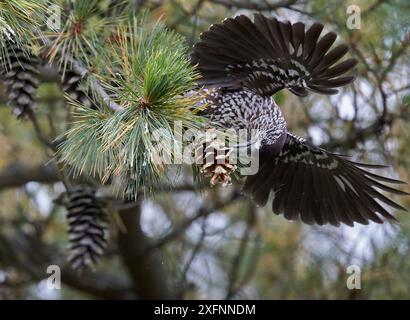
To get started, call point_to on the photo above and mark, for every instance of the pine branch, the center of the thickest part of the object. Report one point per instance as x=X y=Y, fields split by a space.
x=94 y=84
x=80 y=41
x=20 y=23
x=147 y=72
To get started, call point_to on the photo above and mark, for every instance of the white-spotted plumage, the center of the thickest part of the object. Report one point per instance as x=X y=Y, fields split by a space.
x=246 y=110
x=246 y=62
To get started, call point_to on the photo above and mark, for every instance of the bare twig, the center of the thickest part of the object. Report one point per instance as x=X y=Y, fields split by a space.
x=194 y=253
x=146 y=271
x=203 y=211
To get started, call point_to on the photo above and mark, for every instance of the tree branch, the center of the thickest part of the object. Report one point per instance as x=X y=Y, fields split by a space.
x=97 y=88
x=17 y=174
x=145 y=268
x=32 y=257
x=203 y=211
x=233 y=275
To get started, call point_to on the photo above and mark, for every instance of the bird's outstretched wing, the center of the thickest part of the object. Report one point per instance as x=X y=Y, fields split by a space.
x=268 y=55
x=319 y=187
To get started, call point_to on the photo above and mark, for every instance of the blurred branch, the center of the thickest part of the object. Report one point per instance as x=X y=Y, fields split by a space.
x=203 y=211
x=48 y=73
x=17 y=174
x=357 y=136
x=193 y=255
x=261 y=6
x=121 y=5
x=398 y=90
x=373 y=7
x=194 y=14
x=145 y=268
x=39 y=131
x=29 y=255
x=101 y=284
x=233 y=275
x=384 y=118
x=85 y=73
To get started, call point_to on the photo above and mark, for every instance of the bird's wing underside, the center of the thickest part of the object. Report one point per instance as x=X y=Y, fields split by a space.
x=319 y=187
x=268 y=55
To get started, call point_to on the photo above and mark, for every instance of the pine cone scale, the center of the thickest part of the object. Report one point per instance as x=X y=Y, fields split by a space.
x=20 y=77
x=213 y=158
x=88 y=228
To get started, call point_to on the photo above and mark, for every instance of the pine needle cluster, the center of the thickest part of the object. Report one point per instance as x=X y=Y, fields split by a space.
x=147 y=73
x=80 y=35
x=20 y=24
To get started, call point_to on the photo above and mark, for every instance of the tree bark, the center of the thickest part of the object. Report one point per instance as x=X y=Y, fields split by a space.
x=146 y=268
x=18 y=174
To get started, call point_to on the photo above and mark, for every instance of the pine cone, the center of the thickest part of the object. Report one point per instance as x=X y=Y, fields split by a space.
x=20 y=75
x=71 y=85
x=88 y=227
x=213 y=158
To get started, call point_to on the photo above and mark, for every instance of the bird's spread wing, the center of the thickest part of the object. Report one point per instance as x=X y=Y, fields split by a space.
x=268 y=55
x=316 y=186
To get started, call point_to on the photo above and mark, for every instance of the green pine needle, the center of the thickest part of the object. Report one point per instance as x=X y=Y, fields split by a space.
x=82 y=143
x=20 y=23
x=148 y=75
x=80 y=36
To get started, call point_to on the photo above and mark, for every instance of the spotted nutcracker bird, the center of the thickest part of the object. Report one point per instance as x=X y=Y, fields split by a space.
x=246 y=62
